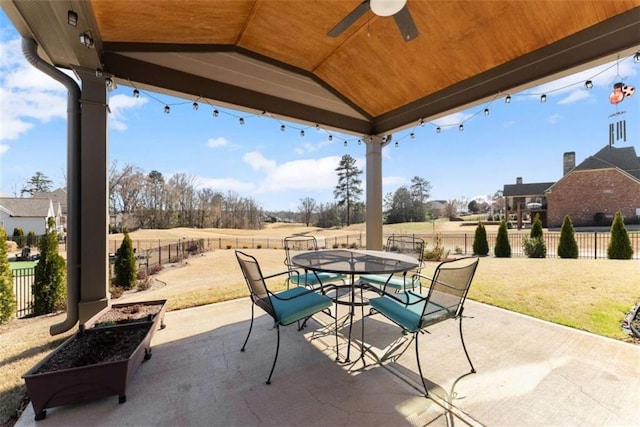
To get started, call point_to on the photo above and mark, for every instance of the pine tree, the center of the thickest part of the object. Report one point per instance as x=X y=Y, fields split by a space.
x=7 y=297
x=534 y=245
x=567 y=247
x=18 y=237
x=50 y=274
x=480 y=245
x=619 y=244
x=348 y=190
x=536 y=227
x=125 y=267
x=503 y=247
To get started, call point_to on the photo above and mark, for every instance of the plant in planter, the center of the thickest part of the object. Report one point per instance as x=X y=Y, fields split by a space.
x=99 y=360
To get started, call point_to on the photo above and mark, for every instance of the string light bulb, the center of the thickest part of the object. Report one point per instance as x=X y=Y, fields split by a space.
x=507 y=99
x=461 y=127
x=195 y=105
x=345 y=143
x=72 y=18
x=588 y=84
x=359 y=142
x=412 y=135
x=167 y=109
x=282 y=127
x=216 y=113
x=317 y=126
x=397 y=144
x=636 y=57
x=241 y=120
x=486 y=112
x=543 y=98
x=136 y=93
x=331 y=137
x=302 y=133
x=421 y=122
x=438 y=129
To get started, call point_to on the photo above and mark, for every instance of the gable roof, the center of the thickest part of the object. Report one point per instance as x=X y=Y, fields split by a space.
x=26 y=207
x=523 y=190
x=624 y=158
x=57 y=196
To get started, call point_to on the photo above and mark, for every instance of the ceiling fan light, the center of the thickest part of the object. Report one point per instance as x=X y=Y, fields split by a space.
x=387 y=7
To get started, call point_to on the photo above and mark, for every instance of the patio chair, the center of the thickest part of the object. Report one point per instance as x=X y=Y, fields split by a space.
x=298 y=277
x=403 y=244
x=414 y=312
x=287 y=307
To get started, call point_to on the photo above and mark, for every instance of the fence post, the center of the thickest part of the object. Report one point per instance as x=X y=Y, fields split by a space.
x=595 y=245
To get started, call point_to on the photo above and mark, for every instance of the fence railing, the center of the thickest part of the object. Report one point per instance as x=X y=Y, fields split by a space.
x=153 y=253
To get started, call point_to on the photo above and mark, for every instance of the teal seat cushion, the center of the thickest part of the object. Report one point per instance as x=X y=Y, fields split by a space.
x=296 y=304
x=410 y=316
x=303 y=279
x=395 y=282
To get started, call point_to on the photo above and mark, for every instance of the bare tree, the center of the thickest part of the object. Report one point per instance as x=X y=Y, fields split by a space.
x=307 y=208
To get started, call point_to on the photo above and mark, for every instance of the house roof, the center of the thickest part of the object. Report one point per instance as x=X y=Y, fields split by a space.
x=277 y=56
x=57 y=196
x=624 y=158
x=26 y=207
x=524 y=190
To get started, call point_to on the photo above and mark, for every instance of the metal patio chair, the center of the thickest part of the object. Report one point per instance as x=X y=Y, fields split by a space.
x=415 y=312
x=299 y=277
x=403 y=244
x=286 y=307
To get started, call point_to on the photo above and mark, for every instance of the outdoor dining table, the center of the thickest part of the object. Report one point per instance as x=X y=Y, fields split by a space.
x=353 y=262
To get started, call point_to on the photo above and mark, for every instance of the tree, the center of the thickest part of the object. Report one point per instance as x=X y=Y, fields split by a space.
x=38 y=183
x=348 y=190
x=307 y=208
x=50 y=274
x=328 y=216
x=534 y=245
x=619 y=244
x=567 y=247
x=7 y=297
x=480 y=244
x=18 y=237
x=503 y=247
x=536 y=227
x=125 y=268
x=451 y=208
x=420 y=189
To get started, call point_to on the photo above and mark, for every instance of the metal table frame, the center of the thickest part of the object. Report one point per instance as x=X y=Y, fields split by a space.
x=354 y=262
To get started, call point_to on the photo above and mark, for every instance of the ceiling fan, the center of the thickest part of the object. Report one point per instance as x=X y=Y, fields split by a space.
x=396 y=8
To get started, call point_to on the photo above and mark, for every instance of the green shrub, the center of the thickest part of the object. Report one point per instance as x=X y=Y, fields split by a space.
x=567 y=247
x=480 y=244
x=503 y=247
x=535 y=247
x=32 y=239
x=50 y=275
x=536 y=227
x=619 y=244
x=18 y=237
x=125 y=267
x=7 y=297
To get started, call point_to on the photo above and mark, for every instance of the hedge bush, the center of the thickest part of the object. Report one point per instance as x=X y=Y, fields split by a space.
x=125 y=267
x=619 y=244
x=50 y=275
x=503 y=247
x=480 y=245
x=567 y=247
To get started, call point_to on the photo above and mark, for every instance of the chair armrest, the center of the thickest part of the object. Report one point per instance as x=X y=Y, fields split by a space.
x=276 y=275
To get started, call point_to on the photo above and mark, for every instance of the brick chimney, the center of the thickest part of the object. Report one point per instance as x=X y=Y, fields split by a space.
x=568 y=162
x=519 y=180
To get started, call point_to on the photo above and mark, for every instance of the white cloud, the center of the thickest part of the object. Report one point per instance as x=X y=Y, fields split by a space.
x=118 y=104
x=3 y=149
x=575 y=96
x=258 y=162
x=218 y=142
x=555 y=118
x=309 y=147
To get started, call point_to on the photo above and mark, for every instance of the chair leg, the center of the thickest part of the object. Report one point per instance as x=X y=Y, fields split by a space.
x=335 y=324
x=424 y=384
x=250 y=327
x=275 y=359
x=464 y=347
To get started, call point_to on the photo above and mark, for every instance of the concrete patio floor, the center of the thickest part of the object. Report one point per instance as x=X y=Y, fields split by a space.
x=529 y=373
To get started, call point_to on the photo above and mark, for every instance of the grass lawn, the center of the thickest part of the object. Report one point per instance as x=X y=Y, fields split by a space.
x=14 y=265
x=592 y=295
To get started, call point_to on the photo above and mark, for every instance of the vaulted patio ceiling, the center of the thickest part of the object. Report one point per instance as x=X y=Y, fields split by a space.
x=276 y=56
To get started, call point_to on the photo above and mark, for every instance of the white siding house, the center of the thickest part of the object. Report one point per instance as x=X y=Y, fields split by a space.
x=30 y=214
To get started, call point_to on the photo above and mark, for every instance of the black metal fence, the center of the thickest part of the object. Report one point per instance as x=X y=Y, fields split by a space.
x=152 y=254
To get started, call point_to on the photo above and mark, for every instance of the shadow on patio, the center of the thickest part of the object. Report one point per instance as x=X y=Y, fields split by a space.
x=529 y=373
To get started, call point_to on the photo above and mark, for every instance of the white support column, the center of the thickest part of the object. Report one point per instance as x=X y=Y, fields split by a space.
x=374 y=192
x=94 y=195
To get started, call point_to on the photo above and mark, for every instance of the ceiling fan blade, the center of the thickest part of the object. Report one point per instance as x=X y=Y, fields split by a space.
x=405 y=24
x=348 y=20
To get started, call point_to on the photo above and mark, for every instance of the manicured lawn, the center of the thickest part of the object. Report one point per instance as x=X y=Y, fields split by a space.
x=21 y=264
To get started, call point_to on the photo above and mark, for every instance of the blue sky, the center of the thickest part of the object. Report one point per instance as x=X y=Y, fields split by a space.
x=524 y=138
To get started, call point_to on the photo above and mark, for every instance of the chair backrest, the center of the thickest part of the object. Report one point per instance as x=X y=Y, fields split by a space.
x=298 y=243
x=255 y=282
x=449 y=287
x=409 y=245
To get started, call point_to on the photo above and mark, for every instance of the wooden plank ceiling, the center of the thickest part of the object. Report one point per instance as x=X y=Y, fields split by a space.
x=275 y=55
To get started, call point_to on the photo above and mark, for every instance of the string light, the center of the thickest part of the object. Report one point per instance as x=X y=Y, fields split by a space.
x=507 y=100
x=461 y=127
x=99 y=73
x=216 y=113
x=302 y=133
x=412 y=135
x=359 y=142
x=317 y=126
x=543 y=98
x=397 y=144
x=345 y=143
x=486 y=112
x=421 y=122
x=241 y=120
x=136 y=93
x=636 y=57
x=588 y=84
x=167 y=109
x=195 y=105
x=282 y=127
x=331 y=137
x=438 y=129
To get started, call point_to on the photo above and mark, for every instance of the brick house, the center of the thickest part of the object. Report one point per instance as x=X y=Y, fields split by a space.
x=592 y=192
